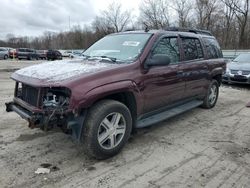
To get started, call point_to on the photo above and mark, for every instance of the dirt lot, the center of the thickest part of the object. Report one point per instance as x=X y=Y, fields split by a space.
x=201 y=148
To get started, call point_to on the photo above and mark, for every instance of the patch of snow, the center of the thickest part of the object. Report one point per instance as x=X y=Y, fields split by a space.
x=60 y=70
x=42 y=171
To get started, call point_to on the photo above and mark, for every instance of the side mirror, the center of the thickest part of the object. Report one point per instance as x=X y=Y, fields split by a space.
x=158 y=60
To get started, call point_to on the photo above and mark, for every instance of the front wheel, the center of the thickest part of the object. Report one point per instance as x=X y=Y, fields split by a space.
x=107 y=128
x=212 y=95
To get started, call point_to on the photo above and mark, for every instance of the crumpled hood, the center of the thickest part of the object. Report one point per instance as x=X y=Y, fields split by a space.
x=56 y=71
x=239 y=66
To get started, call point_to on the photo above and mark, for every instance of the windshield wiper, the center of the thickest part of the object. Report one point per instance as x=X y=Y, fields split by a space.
x=86 y=56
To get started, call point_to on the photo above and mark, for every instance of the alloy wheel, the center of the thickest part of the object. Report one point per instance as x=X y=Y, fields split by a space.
x=111 y=130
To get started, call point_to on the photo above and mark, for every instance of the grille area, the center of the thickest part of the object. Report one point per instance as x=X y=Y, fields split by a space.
x=244 y=72
x=239 y=79
x=28 y=94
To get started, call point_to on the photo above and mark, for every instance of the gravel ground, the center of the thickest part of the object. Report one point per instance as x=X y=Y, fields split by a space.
x=200 y=148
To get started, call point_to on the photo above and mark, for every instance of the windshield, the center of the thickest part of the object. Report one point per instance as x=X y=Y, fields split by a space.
x=242 y=58
x=120 y=47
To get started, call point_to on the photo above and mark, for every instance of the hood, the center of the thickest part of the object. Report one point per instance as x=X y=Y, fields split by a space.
x=57 y=71
x=238 y=66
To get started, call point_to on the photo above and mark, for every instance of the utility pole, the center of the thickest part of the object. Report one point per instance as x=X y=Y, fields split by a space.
x=69 y=23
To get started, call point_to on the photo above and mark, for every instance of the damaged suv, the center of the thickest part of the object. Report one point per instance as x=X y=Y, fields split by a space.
x=124 y=81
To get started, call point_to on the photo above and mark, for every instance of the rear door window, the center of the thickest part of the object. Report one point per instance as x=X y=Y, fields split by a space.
x=192 y=49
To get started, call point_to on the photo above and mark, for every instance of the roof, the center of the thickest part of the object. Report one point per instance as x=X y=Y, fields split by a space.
x=181 y=31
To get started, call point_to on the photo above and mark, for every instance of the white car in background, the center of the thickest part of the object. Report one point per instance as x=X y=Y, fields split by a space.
x=76 y=53
x=4 y=53
x=66 y=53
x=72 y=53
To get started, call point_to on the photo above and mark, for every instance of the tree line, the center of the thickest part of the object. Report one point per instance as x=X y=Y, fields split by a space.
x=228 y=21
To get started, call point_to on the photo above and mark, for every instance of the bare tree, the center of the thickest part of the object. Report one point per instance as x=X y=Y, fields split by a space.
x=117 y=18
x=229 y=24
x=241 y=10
x=154 y=14
x=183 y=9
x=205 y=13
x=114 y=19
x=101 y=26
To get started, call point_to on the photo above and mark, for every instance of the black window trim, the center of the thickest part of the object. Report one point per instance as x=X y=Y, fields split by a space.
x=183 y=60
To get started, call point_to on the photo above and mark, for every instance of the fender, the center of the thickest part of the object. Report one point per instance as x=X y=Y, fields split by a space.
x=216 y=71
x=112 y=88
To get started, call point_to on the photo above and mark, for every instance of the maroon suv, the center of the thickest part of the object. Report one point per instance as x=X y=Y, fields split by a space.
x=124 y=81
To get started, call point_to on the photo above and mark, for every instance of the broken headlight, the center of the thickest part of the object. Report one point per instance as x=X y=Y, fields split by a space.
x=56 y=98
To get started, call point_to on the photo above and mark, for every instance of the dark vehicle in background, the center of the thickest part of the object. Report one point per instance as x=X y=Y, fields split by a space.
x=238 y=71
x=42 y=54
x=26 y=53
x=54 y=55
x=126 y=80
x=4 y=53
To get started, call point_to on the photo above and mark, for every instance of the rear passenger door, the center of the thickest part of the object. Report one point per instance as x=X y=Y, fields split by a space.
x=194 y=67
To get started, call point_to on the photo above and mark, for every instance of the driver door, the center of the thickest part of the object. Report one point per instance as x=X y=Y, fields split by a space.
x=163 y=85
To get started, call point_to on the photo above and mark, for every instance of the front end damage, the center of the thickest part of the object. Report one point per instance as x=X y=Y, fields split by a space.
x=46 y=108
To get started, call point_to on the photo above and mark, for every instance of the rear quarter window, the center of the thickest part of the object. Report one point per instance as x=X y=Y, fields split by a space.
x=212 y=47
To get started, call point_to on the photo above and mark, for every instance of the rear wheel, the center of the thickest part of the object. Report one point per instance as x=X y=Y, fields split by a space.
x=107 y=129
x=5 y=57
x=212 y=95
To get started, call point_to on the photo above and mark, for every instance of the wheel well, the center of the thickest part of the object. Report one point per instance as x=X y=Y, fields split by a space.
x=128 y=99
x=218 y=78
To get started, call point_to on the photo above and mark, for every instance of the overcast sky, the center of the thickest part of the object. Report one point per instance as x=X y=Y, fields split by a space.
x=33 y=17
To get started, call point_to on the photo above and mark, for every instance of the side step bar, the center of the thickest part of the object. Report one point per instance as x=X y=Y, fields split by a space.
x=168 y=114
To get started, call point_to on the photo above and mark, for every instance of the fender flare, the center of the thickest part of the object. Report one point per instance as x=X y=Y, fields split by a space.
x=102 y=91
x=216 y=71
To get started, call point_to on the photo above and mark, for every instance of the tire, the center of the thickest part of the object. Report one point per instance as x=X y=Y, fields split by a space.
x=212 y=95
x=5 y=57
x=103 y=140
x=224 y=82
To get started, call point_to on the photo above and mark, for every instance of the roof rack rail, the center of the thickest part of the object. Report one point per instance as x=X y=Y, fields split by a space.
x=196 y=31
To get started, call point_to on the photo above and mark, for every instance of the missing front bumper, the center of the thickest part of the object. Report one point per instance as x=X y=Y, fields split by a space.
x=33 y=119
x=45 y=121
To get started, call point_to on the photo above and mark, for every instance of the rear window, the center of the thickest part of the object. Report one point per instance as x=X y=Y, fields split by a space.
x=213 y=48
x=192 y=48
